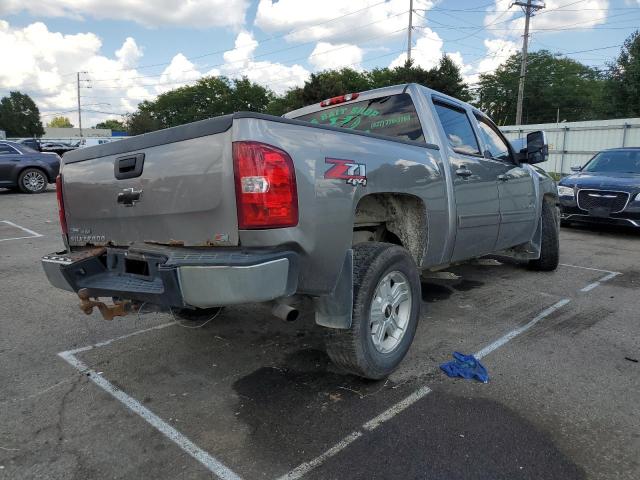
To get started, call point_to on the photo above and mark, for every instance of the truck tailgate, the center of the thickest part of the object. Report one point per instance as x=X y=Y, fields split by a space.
x=184 y=195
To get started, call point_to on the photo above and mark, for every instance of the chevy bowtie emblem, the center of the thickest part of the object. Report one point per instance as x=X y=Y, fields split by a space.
x=128 y=197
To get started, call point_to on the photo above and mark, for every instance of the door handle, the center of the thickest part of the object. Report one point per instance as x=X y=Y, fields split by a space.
x=129 y=166
x=464 y=172
x=503 y=177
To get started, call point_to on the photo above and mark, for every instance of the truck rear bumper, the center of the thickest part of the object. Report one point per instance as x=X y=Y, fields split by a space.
x=177 y=277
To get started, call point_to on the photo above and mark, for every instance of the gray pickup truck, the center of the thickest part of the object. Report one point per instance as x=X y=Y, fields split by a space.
x=344 y=202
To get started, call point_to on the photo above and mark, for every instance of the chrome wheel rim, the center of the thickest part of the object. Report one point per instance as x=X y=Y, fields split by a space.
x=33 y=181
x=390 y=311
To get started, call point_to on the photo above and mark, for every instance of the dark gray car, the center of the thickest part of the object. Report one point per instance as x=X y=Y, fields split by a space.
x=25 y=169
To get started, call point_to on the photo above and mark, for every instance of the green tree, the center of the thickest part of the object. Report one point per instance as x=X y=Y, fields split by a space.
x=141 y=121
x=445 y=77
x=332 y=83
x=60 y=122
x=208 y=97
x=112 y=124
x=623 y=80
x=19 y=116
x=553 y=84
x=291 y=100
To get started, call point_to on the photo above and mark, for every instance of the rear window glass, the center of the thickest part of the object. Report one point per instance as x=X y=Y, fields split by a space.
x=391 y=116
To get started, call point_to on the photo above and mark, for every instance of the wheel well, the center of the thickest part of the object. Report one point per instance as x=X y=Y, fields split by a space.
x=394 y=218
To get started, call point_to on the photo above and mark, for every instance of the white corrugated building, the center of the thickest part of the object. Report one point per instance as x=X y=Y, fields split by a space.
x=573 y=143
x=60 y=133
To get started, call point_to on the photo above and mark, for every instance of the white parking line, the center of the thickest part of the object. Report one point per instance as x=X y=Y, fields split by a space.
x=225 y=473
x=304 y=468
x=31 y=233
x=520 y=330
x=210 y=463
x=397 y=408
x=121 y=337
x=597 y=283
x=588 y=268
x=403 y=404
x=213 y=465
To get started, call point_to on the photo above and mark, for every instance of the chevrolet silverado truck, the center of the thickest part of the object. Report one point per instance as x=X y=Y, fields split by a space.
x=344 y=202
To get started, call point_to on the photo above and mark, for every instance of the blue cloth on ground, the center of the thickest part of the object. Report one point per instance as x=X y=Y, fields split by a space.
x=465 y=366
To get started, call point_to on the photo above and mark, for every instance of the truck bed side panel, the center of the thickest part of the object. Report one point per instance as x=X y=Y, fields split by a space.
x=327 y=206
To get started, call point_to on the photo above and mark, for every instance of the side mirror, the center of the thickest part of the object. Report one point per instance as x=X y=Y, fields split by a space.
x=576 y=168
x=537 y=147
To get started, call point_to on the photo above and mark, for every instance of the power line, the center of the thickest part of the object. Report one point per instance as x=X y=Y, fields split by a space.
x=292 y=47
x=388 y=54
x=245 y=69
x=262 y=41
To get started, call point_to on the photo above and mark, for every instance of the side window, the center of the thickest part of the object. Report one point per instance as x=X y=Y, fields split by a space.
x=7 y=149
x=495 y=144
x=458 y=129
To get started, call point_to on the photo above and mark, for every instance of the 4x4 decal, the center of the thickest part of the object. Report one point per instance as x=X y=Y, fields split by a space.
x=354 y=173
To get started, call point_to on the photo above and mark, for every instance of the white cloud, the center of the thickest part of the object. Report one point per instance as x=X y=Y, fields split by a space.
x=35 y=55
x=426 y=53
x=333 y=56
x=313 y=21
x=499 y=14
x=178 y=73
x=152 y=13
x=43 y=64
x=278 y=77
x=244 y=47
x=129 y=53
x=509 y=22
x=498 y=50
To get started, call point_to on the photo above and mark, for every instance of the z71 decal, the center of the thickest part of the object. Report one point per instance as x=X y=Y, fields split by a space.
x=353 y=173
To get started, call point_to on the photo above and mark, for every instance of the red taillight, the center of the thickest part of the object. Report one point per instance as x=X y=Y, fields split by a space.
x=340 y=99
x=266 y=192
x=63 y=218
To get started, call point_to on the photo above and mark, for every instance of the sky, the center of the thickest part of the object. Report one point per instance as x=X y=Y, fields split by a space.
x=132 y=50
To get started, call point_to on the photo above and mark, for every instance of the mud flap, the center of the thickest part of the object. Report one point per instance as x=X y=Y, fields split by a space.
x=334 y=310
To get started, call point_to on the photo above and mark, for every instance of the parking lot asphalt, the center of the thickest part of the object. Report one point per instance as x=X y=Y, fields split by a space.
x=249 y=396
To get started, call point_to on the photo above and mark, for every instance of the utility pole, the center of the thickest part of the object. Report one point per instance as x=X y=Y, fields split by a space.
x=528 y=8
x=409 y=30
x=79 y=108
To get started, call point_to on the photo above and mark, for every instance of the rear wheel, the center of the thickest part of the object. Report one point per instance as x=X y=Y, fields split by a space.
x=550 y=244
x=386 y=307
x=32 y=180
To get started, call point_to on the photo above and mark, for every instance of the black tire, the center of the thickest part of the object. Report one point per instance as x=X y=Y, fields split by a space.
x=550 y=248
x=39 y=183
x=353 y=349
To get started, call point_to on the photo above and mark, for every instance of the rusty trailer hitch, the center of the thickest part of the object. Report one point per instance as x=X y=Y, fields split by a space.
x=120 y=308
